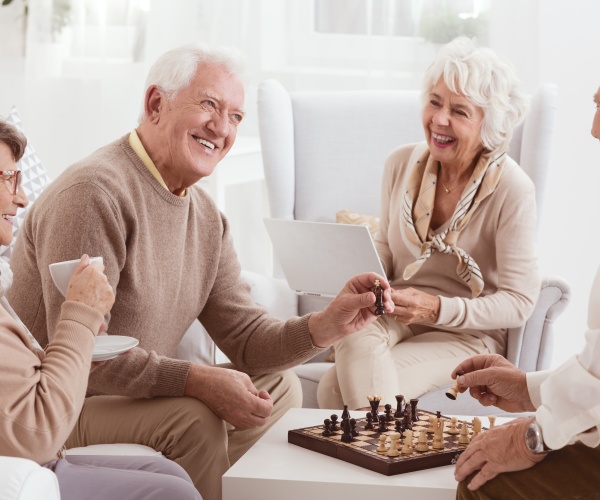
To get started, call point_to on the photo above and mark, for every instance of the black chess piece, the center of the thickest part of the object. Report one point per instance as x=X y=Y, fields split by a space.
x=374 y=406
x=378 y=291
x=413 y=404
x=334 y=425
x=369 y=424
x=347 y=435
x=399 y=427
x=399 y=402
x=353 y=427
x=345 y=413
x=382 y=424
x=388 y=413
x=327 y=431
x=407 y=419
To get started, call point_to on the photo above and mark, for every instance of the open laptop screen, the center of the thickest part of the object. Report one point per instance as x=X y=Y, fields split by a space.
x=318 y=258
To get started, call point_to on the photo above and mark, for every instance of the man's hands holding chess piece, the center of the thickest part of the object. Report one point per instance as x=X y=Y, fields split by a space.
x=493 y=380
x=352 y=310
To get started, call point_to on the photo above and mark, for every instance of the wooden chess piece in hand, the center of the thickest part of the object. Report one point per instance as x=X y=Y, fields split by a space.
x=378 y=291
x=452 y=393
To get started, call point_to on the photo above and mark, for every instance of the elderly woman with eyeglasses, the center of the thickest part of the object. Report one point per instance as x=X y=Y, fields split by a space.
x=456 y=238
x=42 y=392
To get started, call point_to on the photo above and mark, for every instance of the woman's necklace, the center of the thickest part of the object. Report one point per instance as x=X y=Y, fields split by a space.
x=446 y=188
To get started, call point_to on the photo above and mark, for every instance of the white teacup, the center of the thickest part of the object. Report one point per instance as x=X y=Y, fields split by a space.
x=61 y=272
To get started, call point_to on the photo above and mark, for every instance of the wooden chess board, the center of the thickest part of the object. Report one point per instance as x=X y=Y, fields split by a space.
x=362 y=450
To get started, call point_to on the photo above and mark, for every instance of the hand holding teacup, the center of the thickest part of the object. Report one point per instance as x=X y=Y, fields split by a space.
x=86 y=282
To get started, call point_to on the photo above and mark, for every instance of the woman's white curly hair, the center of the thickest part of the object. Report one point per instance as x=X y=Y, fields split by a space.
x=486 y=80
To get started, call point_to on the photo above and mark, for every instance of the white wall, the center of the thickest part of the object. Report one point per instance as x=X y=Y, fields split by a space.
x=67 y=117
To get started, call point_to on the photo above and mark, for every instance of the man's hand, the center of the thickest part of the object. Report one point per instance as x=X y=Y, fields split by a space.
x=350 y=311
x=414 y=306
x=501 y=449
x=230 y=394
x=493 y=380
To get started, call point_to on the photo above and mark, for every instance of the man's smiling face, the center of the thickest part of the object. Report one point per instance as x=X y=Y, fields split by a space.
x=198 y=126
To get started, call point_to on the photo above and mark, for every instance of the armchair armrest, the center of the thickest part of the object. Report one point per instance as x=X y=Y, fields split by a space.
x=272 y=293
x=530 y=346
x=23 y=479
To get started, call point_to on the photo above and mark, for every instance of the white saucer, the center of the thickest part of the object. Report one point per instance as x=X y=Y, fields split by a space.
x=110 y=346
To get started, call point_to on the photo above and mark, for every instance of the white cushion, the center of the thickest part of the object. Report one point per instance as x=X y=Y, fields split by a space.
x=23 y=479
x=127 y=449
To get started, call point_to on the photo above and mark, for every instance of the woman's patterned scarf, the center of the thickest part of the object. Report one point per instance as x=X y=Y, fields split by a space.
x=418 y=206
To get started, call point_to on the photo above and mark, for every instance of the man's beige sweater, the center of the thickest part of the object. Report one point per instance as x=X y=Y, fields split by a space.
x=500 y=237
x=41 y=394
x=170 y=260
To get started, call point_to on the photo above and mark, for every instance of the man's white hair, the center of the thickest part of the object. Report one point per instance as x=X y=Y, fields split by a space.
x=174 y=70
x=487 y=81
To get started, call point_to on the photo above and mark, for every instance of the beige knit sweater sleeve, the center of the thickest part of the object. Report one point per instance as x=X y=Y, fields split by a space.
x=41 y=394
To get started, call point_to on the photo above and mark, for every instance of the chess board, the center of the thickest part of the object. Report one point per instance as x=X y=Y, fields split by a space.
x=362 y=450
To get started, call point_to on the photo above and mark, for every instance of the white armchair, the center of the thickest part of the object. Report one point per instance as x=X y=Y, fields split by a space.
x=23 y=479
x=325 y=151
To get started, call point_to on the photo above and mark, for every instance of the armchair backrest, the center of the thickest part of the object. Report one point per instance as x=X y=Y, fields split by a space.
x=325 y=151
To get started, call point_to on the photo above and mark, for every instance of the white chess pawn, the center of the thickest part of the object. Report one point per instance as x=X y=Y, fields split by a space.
x=407 y=448
x=393 y=451
x=464 y=434
x=422 y=442
x=492 y=419
x=382 y=448
x=453 y=426
x=431 y=427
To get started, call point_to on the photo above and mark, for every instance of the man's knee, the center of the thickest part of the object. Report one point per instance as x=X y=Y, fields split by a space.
x=191 y=424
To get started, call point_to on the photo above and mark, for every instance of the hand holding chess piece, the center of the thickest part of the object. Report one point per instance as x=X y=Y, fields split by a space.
x=494 y=381
x=378 y=291
x=452 y=393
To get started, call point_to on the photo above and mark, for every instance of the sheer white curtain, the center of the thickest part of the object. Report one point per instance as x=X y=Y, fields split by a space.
x=364 y=43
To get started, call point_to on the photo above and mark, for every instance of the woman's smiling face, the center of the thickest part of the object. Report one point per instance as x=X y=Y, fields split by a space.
x=452 y=127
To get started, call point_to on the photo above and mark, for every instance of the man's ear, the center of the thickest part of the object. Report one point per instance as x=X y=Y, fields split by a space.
x=153 y=103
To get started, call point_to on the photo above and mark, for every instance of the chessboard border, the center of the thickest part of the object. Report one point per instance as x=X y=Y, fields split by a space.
x=383 y=465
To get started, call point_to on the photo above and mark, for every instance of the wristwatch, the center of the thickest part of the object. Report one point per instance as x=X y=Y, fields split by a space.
x=534 y=439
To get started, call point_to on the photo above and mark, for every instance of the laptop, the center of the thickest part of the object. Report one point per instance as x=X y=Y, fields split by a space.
x=318 y=258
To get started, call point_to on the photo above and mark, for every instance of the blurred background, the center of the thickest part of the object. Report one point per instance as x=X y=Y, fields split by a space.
x=75 y=69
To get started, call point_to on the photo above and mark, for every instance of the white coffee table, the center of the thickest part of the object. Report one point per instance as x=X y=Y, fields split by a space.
x=274 y=469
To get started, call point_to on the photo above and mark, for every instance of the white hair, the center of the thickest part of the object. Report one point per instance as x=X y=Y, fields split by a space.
x=486 y=80
x=174 y=70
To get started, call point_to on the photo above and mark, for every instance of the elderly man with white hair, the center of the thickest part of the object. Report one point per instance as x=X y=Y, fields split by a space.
x=169 y=255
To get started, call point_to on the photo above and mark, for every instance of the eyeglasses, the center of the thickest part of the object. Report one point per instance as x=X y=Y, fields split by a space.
x=14 y=177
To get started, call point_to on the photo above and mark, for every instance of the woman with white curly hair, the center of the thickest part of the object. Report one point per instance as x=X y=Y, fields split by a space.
x=456 y=237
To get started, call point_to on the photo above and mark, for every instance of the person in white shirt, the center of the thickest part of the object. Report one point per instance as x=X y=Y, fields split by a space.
x=555 y=453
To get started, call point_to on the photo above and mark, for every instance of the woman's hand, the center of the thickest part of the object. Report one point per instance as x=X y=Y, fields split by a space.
x=414 y=306
x=90 y=286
